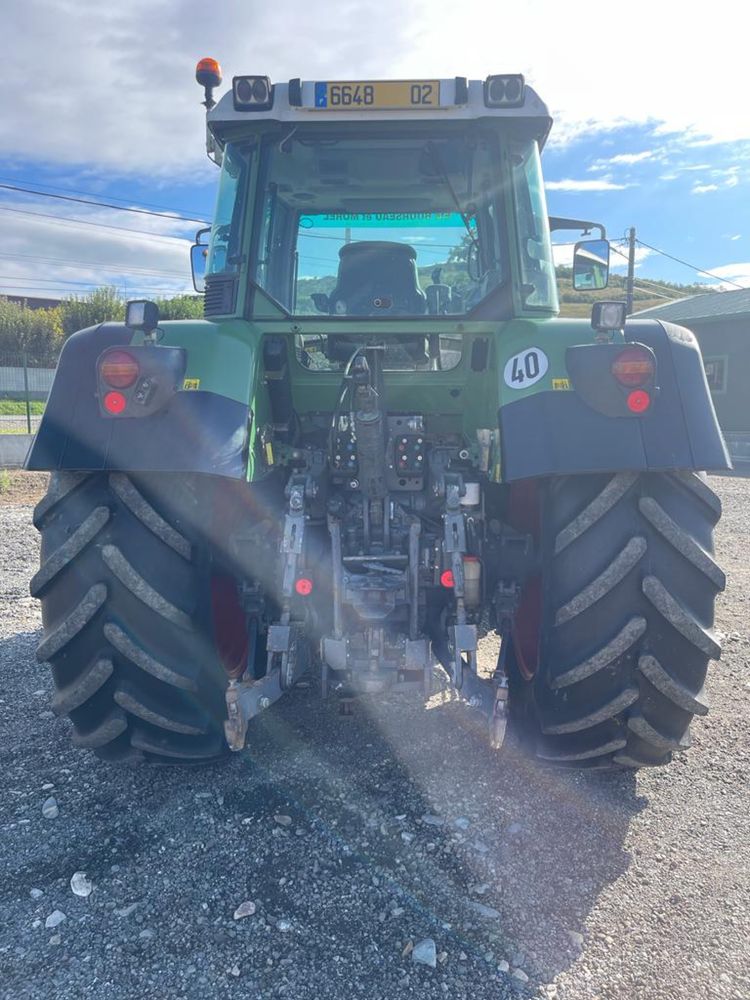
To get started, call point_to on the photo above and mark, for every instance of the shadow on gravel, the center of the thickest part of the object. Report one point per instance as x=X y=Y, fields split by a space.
x=353 y=836
x=539 y=847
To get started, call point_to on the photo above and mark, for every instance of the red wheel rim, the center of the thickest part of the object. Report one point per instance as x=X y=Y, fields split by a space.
x=523 y=514
x=229 y=625
x=527 y=624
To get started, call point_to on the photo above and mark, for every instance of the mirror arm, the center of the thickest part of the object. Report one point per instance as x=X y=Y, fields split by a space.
x=557 y=222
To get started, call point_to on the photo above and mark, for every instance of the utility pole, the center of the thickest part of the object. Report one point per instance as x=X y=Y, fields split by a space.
x=631 y=270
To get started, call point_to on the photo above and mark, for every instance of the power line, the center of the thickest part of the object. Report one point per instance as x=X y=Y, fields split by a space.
x=131 y=288
x=64 y=220
x=57 y=282
x=73 y=264
x=692 y=267
x=102 y=204
x=60 y=282
x=94 y=194
x=642 y=283
x=660 y=288
x=650 y=291
x=434 y=248
x=306 y=234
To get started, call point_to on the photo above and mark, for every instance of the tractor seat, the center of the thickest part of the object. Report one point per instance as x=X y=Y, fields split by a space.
x=377 y=278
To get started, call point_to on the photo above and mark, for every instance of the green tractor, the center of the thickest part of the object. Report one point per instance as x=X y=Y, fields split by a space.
x=380 y=443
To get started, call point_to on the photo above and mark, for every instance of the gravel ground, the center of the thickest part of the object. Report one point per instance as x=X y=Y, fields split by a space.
x=357 y=838
x=22 y=487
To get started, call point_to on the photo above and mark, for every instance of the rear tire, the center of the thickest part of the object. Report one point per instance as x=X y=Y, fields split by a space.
x=627 y=610
x=125 y=591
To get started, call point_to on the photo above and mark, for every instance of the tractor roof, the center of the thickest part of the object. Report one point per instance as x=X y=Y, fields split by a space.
x=313 y=102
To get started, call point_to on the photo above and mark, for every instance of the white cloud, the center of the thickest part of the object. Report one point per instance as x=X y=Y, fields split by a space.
x=537 y=37
x=647 y=154
x=738 y=274
x=111 y=85
x=569 y=184
x=117 y=88
x=704 y=188
x=625 y=159
x=45 y=252
x=562 y=254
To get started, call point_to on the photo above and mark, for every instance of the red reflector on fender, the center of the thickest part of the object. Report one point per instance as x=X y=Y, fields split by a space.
x=114 y=402
x=639 y=401
x=446 y=579
x=303 y=586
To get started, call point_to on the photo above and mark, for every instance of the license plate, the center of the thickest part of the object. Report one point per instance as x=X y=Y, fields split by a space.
x=377 y=95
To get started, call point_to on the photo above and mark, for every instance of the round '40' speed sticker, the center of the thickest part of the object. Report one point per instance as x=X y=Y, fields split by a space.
x=525 y=368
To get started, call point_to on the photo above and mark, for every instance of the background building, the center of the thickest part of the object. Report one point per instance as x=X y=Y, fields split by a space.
x=32 y=302
x=721 y=322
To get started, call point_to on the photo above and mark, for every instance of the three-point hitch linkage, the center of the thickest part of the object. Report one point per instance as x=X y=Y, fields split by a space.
x=385 y=625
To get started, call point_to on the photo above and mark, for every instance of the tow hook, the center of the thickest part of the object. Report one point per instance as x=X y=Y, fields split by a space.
x=248 y=697
x=490 y=695
x=499 y=718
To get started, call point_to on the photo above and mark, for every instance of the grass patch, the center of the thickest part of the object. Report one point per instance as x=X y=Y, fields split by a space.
x=4 y=481
x=17 y=407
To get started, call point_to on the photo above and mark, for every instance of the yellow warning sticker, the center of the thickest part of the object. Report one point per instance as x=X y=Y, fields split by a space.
x=191 y=383
x=560 y=383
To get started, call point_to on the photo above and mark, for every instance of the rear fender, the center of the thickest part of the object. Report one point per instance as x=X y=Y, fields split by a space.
x=558 y=428
x=195 y=430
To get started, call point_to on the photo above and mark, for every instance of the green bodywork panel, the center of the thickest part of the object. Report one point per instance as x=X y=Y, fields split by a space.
x=225 y=357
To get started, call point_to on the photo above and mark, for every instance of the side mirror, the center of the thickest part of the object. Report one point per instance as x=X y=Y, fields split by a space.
x=199 y=260
x=321 y=302
x=591 y=264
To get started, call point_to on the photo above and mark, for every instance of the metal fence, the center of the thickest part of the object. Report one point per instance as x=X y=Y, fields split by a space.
x=25 y=382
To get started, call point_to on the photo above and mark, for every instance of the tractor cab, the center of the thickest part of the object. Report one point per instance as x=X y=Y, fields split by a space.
x=374 y=201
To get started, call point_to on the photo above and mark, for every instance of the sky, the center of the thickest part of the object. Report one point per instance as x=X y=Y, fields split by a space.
x=651 y=125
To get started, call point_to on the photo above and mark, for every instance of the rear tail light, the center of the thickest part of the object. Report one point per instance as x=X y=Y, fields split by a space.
x=119 y=369
x=634 y=366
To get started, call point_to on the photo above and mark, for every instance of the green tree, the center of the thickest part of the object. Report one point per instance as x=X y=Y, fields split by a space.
x=181 y=307
x=103 y=305
x=34 y=332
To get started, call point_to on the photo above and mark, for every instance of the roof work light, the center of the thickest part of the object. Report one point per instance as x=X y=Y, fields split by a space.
x=506 y=91
x=252 y=93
